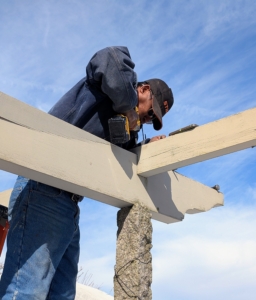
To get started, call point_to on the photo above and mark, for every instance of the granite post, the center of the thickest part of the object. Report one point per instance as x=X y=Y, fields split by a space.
x=133 y=269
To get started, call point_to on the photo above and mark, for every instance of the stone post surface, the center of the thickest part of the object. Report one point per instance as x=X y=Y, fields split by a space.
x=133 y=269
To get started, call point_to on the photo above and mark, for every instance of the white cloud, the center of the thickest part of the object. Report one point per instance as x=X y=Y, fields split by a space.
x=100 y=272
x=252 y=191
x=210 y=254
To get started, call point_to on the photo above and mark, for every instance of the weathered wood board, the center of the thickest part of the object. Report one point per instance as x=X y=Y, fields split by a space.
x=224 y=136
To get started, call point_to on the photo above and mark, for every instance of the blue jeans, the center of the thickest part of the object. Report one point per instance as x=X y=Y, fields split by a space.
x=42 y=244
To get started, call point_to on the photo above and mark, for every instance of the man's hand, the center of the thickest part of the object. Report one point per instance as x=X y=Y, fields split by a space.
x=132 y=118
x=157 y=138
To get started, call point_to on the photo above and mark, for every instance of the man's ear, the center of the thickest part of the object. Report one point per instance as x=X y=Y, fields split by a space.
x=166 y=107
x=143 y=88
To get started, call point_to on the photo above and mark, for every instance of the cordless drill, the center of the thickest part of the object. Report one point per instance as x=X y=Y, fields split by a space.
x=119 y=128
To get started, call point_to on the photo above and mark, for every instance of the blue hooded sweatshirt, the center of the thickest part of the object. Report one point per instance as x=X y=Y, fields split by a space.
x=109 y=88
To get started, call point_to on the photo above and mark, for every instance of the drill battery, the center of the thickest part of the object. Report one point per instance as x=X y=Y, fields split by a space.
x=119 y=129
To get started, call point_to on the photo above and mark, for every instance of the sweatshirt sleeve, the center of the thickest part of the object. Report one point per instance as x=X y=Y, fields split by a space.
x=112 y=70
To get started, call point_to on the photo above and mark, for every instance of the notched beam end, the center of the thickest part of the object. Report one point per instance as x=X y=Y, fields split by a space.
x=174 y=195
x=192 y=211
x=4 y=197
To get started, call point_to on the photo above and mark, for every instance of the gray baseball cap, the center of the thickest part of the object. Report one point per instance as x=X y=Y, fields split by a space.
x=160 y=93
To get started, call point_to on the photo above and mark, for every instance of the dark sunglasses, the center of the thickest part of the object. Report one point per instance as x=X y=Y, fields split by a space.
x=151 y=115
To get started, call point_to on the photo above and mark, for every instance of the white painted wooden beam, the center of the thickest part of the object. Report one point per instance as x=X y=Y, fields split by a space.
x=4 y=197
x=173 y=195
x=20 y=113
x=102 y=172
x=46 y=149
x=227 y=135
x=84 y=167
x=187 y=195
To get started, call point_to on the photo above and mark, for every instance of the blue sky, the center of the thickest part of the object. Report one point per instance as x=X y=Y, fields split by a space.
x=205 y=50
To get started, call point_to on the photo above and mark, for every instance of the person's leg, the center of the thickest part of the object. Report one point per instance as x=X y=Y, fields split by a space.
x=63 y=285
x=42 y=226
